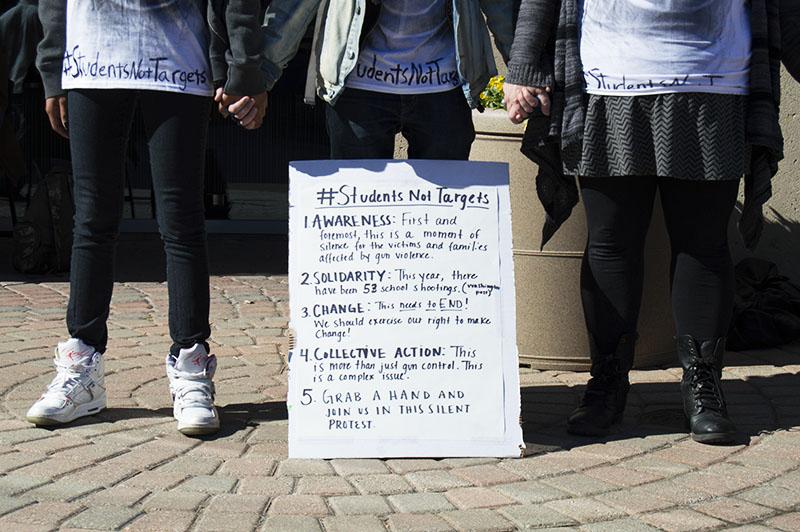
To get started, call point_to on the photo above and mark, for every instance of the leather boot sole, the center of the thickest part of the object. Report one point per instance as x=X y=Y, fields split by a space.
x=714 y=437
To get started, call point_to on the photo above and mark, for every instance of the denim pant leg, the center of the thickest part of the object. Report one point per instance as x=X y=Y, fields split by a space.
x=99 y=122
x=362 y=125
x=438 y=125
x=177 y=127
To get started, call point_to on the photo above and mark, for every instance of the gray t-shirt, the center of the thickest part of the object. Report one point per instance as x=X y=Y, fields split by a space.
x=135 y=44
x=631 y=47
x=410 y=50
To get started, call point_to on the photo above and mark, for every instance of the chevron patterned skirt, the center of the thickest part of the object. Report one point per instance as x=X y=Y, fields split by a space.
x=683 y=135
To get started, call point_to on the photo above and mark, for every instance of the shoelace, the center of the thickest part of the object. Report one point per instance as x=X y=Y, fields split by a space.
x=705 y=392
x=193 y=390
x=67 y=379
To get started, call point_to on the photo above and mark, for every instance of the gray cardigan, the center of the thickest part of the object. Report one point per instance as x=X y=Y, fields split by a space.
x=546 y=52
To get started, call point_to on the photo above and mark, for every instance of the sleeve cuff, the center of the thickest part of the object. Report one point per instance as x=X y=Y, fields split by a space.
x=52 y=84
x=529 y=75
x=248 y=80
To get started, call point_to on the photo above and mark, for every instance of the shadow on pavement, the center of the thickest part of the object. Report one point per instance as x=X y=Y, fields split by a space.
x=757 y=404
x=140 y=258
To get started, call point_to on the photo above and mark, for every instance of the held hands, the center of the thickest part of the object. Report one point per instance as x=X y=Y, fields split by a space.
x=521 y=101
x=56 y=110
x=249 y=111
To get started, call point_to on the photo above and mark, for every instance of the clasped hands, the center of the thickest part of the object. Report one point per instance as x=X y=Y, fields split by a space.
x=249 y=111
x=521 y=101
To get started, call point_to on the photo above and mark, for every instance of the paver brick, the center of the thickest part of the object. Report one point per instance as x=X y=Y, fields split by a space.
x=162 y=521
x=579 y=484
x=389 y=484
x=470 y=498
x=293 y=467
x=733 y=510
x=531 y=491
x=238 y=503
x=175 y=500
x=681 y=519
x=359 y=467
x=585 y=509
x=247 y=466
x=789 y=522
x=271 y=486
x=324 y=485
x=222 y=521
x=435 y=480
x=308 y=505
x=535 y=516
x=103 y=518
x=420 y=502
x=291 y=523
x=117 y=496
x=62 y=490
x=773 y=496
x=484 y=520
x=353 y=523
x=417 y=523
x=415 y=464
x=359 y=505
x=487 y=475
x=49 y=514
x=208 y=484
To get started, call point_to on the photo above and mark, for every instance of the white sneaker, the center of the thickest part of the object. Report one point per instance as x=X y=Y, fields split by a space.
x=190 y=382
x=76 y=391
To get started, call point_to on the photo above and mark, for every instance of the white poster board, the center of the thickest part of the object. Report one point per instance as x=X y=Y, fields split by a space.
x=401 y=288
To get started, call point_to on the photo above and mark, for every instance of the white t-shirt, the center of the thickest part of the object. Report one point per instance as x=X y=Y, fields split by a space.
x=134 y=44
x=410 y=50
x=631 y=47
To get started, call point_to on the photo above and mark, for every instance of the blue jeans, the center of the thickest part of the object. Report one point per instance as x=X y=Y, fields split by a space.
x=363 y=125
x=176 y=127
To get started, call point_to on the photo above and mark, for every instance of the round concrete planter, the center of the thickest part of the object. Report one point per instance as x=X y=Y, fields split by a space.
x=551 y=333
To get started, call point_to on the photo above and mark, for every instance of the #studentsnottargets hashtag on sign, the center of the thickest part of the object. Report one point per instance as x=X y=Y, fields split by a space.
x=402 y=305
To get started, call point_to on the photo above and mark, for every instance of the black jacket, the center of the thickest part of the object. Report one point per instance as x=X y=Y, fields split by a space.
x=234 y=45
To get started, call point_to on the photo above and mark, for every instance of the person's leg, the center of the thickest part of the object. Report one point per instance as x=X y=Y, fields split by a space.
x=99 y=122
x=99 y=125
x=177 y=126
x=697 y=214
x=363 y=124
x=438 y=125
x=618 y=212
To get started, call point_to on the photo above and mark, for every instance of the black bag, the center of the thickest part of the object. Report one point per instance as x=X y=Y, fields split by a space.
x=767 y=309
x=43 y=239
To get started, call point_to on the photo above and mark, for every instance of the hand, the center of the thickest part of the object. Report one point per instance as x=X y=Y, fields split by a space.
x=521 y=101
x=56 y=109
x=248 y=110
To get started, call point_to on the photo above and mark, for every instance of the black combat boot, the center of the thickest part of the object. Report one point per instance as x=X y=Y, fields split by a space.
x=604 y=400
x=701 y=388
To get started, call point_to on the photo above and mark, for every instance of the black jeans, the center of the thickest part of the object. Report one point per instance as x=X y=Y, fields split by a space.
x=176 y=127
x=363 y=124
x=618 y=212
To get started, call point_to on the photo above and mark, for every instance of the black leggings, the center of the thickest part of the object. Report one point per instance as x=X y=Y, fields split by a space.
x=618 y=212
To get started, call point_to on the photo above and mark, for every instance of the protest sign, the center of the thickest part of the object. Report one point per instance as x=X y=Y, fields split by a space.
x=402 y=305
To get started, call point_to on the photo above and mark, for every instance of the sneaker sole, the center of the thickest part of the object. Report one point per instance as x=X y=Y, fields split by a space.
x=198 y=430
x=89 y=409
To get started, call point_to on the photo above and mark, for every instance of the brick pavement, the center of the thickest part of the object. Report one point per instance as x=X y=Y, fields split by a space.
x=128 y=467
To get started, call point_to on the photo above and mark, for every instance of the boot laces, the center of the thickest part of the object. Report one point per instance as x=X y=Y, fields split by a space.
x=604 y=383
x=705 y=389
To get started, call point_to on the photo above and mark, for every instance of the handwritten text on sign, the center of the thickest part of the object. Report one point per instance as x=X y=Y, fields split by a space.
x=399 y=298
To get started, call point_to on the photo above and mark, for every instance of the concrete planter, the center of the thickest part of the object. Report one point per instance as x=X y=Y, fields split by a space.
x=551 y=332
